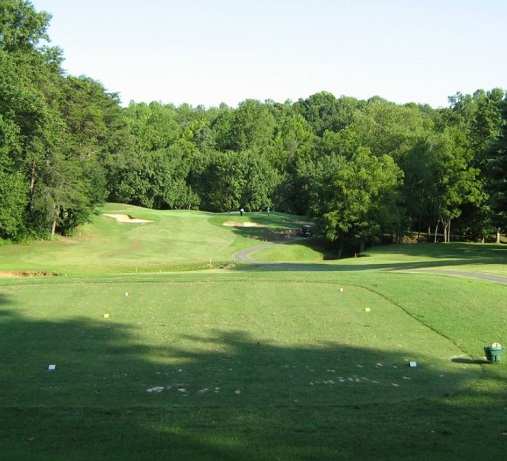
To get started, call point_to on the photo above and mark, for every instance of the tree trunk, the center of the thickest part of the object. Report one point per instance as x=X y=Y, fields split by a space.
x=436 y=233
x=447 y=230
x=53 y=228
x=53 y=224
x=362 y=245
x=498 y=236
x=33 y=176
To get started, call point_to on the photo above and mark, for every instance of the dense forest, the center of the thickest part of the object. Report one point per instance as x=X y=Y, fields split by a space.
x=362 y=169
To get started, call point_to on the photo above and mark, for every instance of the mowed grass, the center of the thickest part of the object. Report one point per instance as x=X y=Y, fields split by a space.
x=170 y=240
x=249 y=363
x=459 y=257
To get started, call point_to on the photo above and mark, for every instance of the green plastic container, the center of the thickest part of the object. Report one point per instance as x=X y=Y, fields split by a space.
x=494 y=352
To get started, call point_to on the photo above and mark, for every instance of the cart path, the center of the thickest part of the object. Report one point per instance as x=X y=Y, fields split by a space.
x=475 y=275
x=244 y=256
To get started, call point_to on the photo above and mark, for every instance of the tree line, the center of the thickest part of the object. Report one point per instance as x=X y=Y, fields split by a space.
x=362 y=169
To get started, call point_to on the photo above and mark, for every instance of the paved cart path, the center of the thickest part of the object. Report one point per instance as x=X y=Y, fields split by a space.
x=476 y=275
x=244 y=256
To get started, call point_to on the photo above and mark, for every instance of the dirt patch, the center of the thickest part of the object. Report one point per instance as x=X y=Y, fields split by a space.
x=242 y=224
x=301 y=223
x=126 y=218
x=66 y=240
x=18 y=274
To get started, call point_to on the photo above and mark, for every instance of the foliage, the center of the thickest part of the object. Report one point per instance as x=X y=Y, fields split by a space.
x=356 y=200
x=497 y=169
x=67 y=145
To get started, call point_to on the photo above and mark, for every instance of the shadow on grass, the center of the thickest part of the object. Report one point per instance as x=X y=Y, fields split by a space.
x=267 y=234
x=260 y=226
x=471 y=361
x=5 y=299
x=226 y=395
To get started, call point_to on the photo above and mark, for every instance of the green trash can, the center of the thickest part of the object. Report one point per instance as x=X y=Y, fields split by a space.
x=494 y=352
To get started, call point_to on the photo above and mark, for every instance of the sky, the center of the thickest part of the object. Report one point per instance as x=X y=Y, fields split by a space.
x=208 y=52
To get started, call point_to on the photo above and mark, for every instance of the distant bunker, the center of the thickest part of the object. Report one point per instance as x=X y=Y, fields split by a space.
x=242 y=224
x=126 y=218
x=16 y=274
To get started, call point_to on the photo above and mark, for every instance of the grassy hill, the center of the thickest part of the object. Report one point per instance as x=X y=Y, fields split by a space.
x=303 y=359
x=167 y=241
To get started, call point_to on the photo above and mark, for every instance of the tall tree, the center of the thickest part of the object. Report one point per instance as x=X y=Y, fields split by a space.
x=497 y=168
x=456 y=182
x=224 y=180
x=154 y=126
x=325 y=112
x=477 y=118
x=21 y=27
x=355 y=200
x=252 y=127
x=28 y=84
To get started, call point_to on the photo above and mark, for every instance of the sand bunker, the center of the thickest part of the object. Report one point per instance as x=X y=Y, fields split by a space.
x=126 y=218
x=16 y=274
x=242 y=224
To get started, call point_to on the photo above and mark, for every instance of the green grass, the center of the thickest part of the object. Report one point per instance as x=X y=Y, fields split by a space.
x=248 y=362
x=172 y=241
x=299 y=251
x=464 y=257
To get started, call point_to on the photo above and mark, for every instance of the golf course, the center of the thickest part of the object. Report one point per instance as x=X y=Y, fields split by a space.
x=187 y=335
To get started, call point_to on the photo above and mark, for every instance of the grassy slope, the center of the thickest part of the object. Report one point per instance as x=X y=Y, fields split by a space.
x=175 y=239
x=465 y=257
x=253 y=364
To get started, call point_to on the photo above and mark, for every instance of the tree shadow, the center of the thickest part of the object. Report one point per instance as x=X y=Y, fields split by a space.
x=4 y=299
x=264 y=233
x=471 y=361
x=226 y=394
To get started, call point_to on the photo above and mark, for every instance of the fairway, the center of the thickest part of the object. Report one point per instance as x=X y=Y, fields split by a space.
x=152 y=241
x=352 y=359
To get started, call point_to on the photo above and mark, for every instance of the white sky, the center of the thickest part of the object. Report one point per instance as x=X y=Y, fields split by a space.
x=212 y=51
